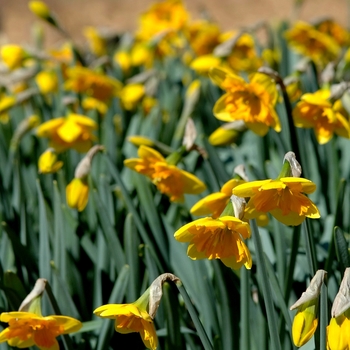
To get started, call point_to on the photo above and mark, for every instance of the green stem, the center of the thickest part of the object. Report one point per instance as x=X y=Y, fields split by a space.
x=266 y=288
x=245 y=295
x=197 y=323
x=310 y=248
x=323 y=315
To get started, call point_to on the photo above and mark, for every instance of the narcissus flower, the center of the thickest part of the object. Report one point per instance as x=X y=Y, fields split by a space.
x=253 y=101
x=169 y=179
x=306 y=320
x=130 y=318
x=316 y=111
x=228 y=133
x=203 y=64
x=97 y=43
x=6 y=102
x=131 y=95
x=48 y=162
x=284 y=198
x=28 y=329
x=13 y=55
x=73 y=131
x=217 y=239
x=47 y=81
x=40 y=9
x=307 y=40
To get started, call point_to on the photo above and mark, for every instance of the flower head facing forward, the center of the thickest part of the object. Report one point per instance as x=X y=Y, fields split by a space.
x=253 y=101
x=317 y=112
x=73 y=131
x=284 y=198
x=217 y=239
x=28 y=329
x=131 y=318
x=169 y=179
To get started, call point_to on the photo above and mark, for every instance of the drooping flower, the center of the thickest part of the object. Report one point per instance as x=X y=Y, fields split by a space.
x=253 y=101
x=227 y=133
x=220 y=238
x=48 y=162
x=316 y=111
x=284 y=198
x=72 y=131
x=130 y=318
x=169 y=179
x=92 y=83
x=40 y=9
x=306 y=320
x=312 y=43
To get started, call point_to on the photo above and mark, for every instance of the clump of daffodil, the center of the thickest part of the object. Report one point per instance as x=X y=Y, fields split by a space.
x=48 y=162
x=13 y=55
x=138 y=316
x=253 y=101
x=306 y=319
x=220 y=238
x=77 y=191
x=47 y=81
x=283 y=197
x=73 y=131
x=169 y=179
x=28 y=327
x=310 y=42
x=317 y=111
x=338 y=335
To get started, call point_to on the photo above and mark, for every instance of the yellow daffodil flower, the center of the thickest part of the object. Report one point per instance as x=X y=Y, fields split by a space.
x=131 y=95
x=215 y=203
x=203 y=64
x=284 y=198
x=123 y=59
x=48 y=162
x=73 y=131
x=169 y=179
x=317 y=112
x=97 y=44
x=40 y=9
x=253 y=101
x=217 y=239
x=77 y=193
x=93 y=84
x=335 y=30
x=312 y=43
x=131 y=318
x=93 y=103
x=12 y=55
x=6 y=102
x=338 y=332
x=27 y=329
x=47 y=81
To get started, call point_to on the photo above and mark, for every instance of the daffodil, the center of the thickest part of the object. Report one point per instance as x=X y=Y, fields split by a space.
x=306 y=319
x=316 y=111
x=27 y=329
x=73 y=131
x=203 y=64
x=131 y=95
x=98 y=45
x=123 y=59
x=77 y=193
x=253 y=101
x=169 y=179
x=220 y=238
x=12 y=55
x=40 y=9
x=90 y=103
x=310 y=42
x=227 y=133
x=284 y=198
x=6 y=102
x=92 y=83
x=335 y=30
x=130 y=318
x=48 y=162
x=215 y=203
x=47 y=81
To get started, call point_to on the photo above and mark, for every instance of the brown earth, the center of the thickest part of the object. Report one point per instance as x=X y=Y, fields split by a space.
x=16 y=20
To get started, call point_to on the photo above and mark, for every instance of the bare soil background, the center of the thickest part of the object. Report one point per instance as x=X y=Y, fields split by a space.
x=16 y=20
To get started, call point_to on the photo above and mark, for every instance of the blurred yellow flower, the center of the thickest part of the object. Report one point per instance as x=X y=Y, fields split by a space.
x=142 y=54
x=131 y=95
x=169 y=179
x=93 y=103
x=123 y=59
x=47 y=81
x=310 y=42
x=77 y=193
x=202 y=64
x=48 y=162
x=97 y=44
x=72 y=131
x=253 y=101
x=93 y=84
x=28 y=329
x=215 y=203
x=228 y=133
x=63 y=54
x=335 y=30
x=12 y=55
x=284 y=198
x=6 y=102
x=217 y=239
x=131 y=318
x=40 y=9
x=316 y=111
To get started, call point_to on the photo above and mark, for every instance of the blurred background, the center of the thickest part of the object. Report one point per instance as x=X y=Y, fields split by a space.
x=122 y=15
